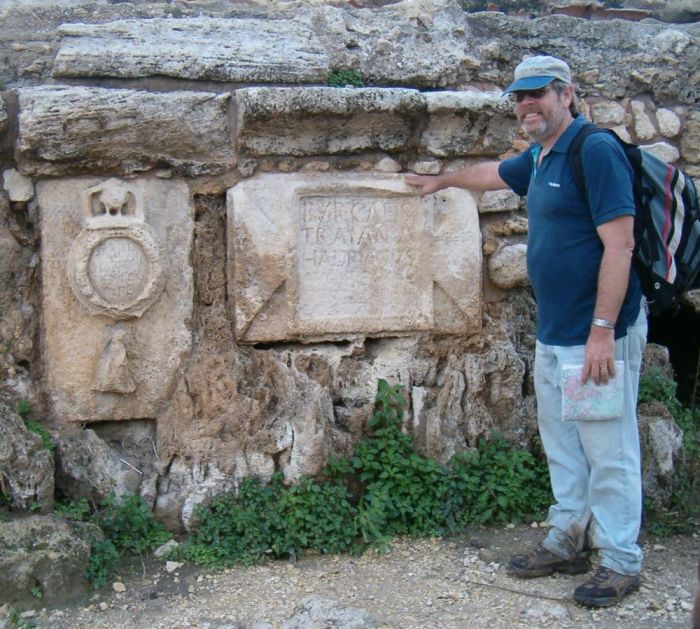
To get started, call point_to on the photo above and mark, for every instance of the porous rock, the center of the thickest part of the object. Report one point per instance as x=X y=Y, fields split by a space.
x=18 y=187
x=26 y=467
x=242 y=50
x=663 y=150
x=74 y=130
x=508 y=267
x=324 y=612
x=87 y=467
x=44 y=556
x=690 y=142
x=326 y=120
x=468 y=123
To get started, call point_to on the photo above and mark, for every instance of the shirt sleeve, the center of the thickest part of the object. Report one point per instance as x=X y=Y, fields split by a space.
x=515 y=171
x=608 y=177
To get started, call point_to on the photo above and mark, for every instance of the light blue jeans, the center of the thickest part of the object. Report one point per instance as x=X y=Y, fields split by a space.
x=594 y=465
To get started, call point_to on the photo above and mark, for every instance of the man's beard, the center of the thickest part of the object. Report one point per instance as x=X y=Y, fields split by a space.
x=546 y=127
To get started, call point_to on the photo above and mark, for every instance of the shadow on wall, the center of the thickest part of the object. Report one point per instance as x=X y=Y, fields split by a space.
x=679 y=330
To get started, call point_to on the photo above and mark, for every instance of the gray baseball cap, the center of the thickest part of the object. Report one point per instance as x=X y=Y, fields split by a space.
x=536 y=72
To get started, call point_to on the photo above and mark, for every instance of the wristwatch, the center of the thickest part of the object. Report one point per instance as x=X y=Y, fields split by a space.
x=603 y=323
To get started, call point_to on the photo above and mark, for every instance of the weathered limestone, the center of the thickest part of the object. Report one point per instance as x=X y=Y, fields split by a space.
x=46 y=556
x=662 y=442
x=607 y=113
x=77 y=130
x=241 y=50
x=690 y=142
x=345 y=254
x=643 y=126
x=3 y=115
x=326 y=120
x=315 y=611
x=508 y=266
x=669 y=123
x=117 y=295
x=87 y=467
x=18 y=187
x=498 y=201
x=468 y=123
x=26 y=467
x=663 y=150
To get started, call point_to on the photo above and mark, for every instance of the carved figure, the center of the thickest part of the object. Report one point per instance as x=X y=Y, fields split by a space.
x=113 y=374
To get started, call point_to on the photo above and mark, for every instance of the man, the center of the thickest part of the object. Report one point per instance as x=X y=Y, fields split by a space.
x=588 y=313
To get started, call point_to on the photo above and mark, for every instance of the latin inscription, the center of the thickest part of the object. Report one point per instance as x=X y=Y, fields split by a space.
x=359 y=258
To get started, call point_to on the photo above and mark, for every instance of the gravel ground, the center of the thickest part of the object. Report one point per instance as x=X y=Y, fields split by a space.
x=450 y=583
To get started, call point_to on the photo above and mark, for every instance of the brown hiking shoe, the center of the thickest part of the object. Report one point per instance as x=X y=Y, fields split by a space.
x=606 y=587
x=542 y=562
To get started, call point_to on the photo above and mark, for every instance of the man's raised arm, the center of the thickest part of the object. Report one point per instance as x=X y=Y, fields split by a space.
x=480 y=177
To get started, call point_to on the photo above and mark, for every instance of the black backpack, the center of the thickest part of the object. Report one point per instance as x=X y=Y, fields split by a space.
x=666 y=225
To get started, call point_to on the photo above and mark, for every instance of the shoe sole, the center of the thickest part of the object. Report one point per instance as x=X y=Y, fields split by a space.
x=608 y=601
x=571 y=567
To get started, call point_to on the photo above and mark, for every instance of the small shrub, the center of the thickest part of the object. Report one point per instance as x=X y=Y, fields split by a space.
x=129 y=526
x=38 y=429
x=104 y=558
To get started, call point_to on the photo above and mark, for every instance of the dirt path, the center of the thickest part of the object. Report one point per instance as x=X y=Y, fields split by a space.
x=450 y=583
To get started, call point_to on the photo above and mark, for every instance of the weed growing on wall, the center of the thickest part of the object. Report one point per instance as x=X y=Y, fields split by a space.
x=678 y=516
x=396 y=491
x=23 y=409
x=342 y=78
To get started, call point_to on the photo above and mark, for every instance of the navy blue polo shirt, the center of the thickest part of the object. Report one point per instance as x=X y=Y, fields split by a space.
x=563 y=248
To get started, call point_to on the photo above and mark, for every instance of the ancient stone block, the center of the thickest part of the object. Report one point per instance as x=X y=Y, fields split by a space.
x=690 y=143
x=326 y=120
x=498 y=201
x=669 y=123
x=77 y=130
x=336 y=255
x=508 y=267
x=643 y=126
x=17 y=186
x=608 y=113
x=243 y=50
x=468 y=123
x=117 y=294
x=663 y=150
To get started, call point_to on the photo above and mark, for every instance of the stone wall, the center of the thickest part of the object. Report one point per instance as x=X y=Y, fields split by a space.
x=209 y=257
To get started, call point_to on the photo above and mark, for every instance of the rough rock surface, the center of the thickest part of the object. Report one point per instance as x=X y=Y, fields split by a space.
x=326 y=120
x=76 y=130
x=26 y=467
x=44 y=558
x=318 y=611
x=241 y=50
x=508 y=267
x=18 y=285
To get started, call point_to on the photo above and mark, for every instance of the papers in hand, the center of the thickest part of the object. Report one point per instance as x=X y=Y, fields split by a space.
x=589 y=401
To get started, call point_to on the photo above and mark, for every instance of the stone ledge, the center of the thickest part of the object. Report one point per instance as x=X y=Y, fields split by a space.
x=75 y=130
x=325 y=120
x=241 y=50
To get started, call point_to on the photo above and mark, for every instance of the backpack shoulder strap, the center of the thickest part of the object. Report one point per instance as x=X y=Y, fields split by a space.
x=575 y=159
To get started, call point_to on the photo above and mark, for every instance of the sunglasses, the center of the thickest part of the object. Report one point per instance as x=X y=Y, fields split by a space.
x=520 y=95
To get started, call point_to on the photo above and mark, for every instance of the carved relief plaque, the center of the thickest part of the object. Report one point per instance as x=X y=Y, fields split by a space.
x=117 y=289
x=334 y=255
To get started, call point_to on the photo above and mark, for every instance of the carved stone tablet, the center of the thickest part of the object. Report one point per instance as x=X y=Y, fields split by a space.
x=324 y=256
x=117 y=292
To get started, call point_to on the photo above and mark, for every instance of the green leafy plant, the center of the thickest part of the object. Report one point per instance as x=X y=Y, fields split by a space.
x=75 y=509
x=104 y=559
x=341 y=78
x=23 y=409
x=262 y=521
x=129 y=525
